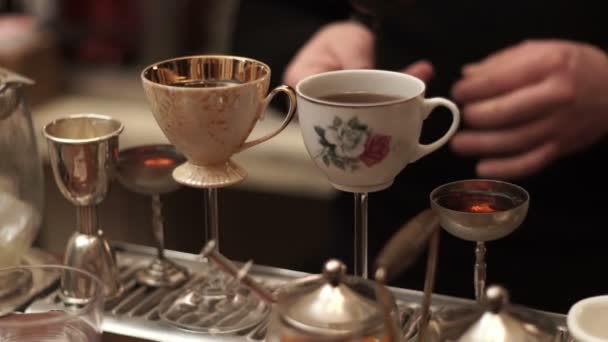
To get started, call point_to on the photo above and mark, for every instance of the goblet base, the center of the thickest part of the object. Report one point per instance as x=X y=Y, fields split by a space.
x=162 y=273
x=209 y=176
x=91 y=253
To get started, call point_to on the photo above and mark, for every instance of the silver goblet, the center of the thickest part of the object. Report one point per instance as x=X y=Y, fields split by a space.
x=147 y=170
x=480 y=210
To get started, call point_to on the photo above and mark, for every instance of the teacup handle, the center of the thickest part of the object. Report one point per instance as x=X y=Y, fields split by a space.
x=428 y=106
x=291 y=94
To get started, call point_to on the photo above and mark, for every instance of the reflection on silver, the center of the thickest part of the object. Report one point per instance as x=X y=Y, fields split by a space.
x=482 y=226
x=136 y=313
x=83 y=150
x=480 y=210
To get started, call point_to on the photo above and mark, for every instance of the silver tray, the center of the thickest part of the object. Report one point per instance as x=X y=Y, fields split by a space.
x=135 y=313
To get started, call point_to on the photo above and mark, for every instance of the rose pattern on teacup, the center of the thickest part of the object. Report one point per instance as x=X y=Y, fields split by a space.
x=347 y=145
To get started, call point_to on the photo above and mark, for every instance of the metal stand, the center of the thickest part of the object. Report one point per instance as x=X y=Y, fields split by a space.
x=212 y=230
x=480 y=271
x=361 y=267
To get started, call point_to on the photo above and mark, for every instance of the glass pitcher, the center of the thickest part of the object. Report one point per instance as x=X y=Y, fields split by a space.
x=21 y=178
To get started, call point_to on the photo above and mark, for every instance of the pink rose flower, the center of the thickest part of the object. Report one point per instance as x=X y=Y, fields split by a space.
x=377 y=147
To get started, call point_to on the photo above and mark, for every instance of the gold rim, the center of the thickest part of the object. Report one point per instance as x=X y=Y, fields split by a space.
x=231 y=57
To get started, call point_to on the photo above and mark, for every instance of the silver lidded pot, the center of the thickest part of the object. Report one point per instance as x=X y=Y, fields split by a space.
x=328 y=307
x=494 y=320
x=500 y=321
x=331 y=306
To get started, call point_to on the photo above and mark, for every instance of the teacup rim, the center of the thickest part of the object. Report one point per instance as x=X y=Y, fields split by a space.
x=572 y=323
x=261 y=79
x=359 y=105
x=72 y=141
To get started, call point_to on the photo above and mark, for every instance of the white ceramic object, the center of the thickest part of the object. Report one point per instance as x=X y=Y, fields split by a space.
x=588 y=320
x=361 y=147
x=207 y=106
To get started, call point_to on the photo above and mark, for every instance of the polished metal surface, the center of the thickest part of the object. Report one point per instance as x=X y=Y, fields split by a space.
x=215 y=302
x=481 y=226
x=211 y=252
x=135 y=313
x=361 y=235
x=502 y=322
x=161 y=271
x=89 y=252
x=212 y=217
x=332 y=305
x=480 y=210
x=147 y=170
x=83 y=151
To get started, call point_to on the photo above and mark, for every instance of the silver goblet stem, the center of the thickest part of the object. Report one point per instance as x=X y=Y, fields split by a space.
x=361 y=268
x=158 y=229
x=480 y=271
x=86 y=219
x=212 y=231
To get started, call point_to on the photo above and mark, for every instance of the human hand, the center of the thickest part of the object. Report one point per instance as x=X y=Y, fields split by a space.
x=531 y=104
x=338 y=46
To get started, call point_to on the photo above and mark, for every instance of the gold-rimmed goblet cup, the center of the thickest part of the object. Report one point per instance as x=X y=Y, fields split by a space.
x=480 y=210
x=207 y=106
x=361 y=128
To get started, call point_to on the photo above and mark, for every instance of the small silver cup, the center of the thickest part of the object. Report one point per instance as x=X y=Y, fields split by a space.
x=83 y=150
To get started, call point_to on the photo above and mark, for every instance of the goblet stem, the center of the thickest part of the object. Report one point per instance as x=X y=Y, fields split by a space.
x=158 y=229
x=86 y=219
x=211 y=217
x=361 y=269
x=429 y=283
x=480 y=271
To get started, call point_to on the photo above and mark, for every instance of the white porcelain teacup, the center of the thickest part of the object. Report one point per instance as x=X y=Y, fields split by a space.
x=362 y=144
x=588 y=320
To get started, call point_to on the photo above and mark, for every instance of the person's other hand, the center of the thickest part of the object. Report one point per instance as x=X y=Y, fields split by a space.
x=338 y=46
x=531 y=104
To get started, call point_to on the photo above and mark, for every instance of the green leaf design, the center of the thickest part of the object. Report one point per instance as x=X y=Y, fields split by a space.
x=355 y=124
x=326 y=159
x=338 y=162
x=337 y=122
x=320 y=131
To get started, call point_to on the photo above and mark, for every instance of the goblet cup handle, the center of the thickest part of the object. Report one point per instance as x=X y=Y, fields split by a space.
x=428 y=106
x=290 y=114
